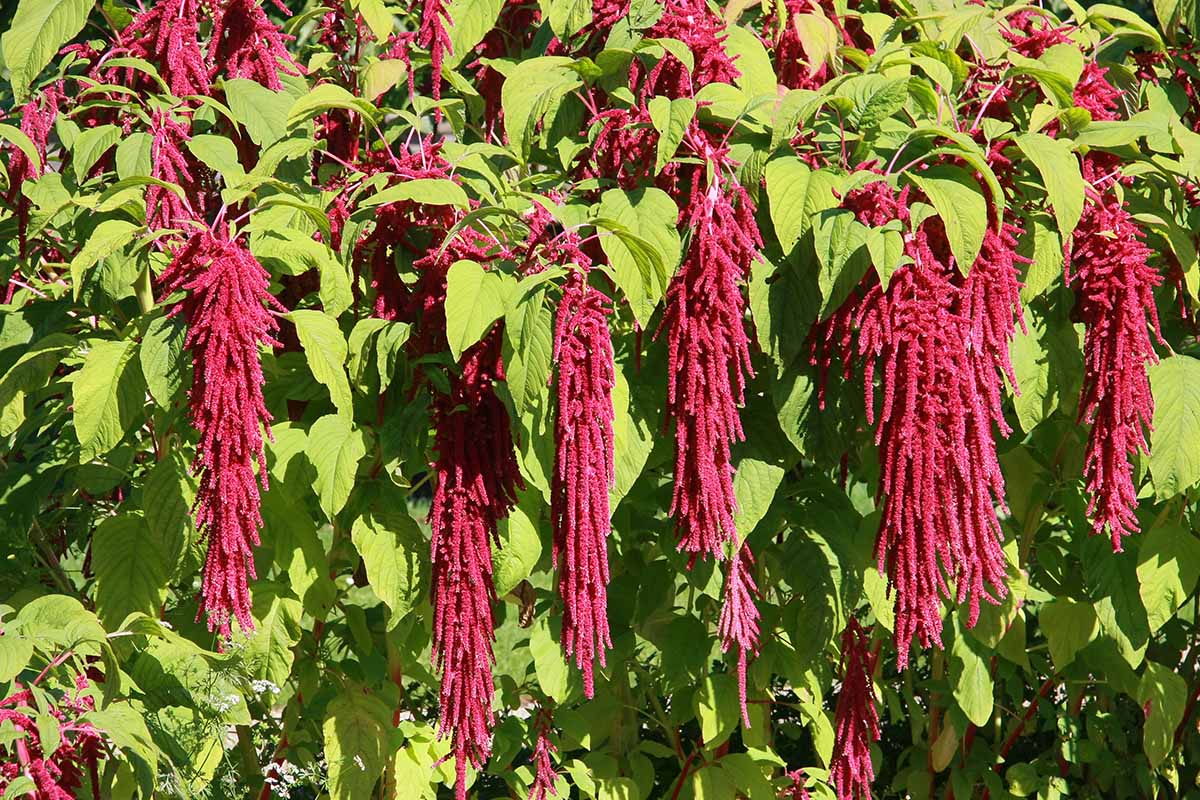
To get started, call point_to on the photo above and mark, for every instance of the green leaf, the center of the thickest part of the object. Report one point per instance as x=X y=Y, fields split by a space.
x=324 y=97
x=125 y=727
x=356 y=730
x=15 y=652
x=132 y=568
x=133 y=155
x=519 y=551
x=756 y=73
x=1068 y=626
x=395 y=556
x=971 y=677
x=1047 y=257
x=298 y=551
x=109 y=394
x=644 y=260
x=568 y=17
x=1031 y=367
x=1175 y=439
x=887 y=253
x=754 y=486
x=475 y=299
x=161 y=358
x=269 y=652
x=796 y=193
x=553 y=673
x=472 y=19
x=432 y=191
x=378 y=17
x=219 y=154
x=334 y=449
x=530 y=91
x=325 y=349
x=716 y=706
x=39 y=28
x=633 y=438
x=166 y=502
x=962 y=207
x=109 y=236
x=1163 y=695
x=23 y=143
x=263 y=112
x=1060 y=173
x=90 y=145
x=671 y=119
x=840 y=242
x=381 y=77
x=875 y=99
x=1167 y=570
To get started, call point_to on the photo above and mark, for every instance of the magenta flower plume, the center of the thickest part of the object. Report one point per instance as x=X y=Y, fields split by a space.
x=37 y=118
x=1031 y=33
x=544 y=775
x=164 y=208
x=226 y=304
x=583 y=470
x=708 y=361
x=1096 y=94
x=477 y=479
x=795 y=68
x=798 y=790
x=247 y=44
x=695 y=24
x=167 y=34
x=1114 y=289
x=434 y=36
x=856 y=720
x=55 y=767
x=738 y=624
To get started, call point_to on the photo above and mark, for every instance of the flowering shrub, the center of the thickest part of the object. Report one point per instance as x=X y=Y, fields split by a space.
x=614 y=399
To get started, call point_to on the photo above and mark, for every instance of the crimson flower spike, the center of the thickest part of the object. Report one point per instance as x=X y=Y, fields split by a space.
x=165 y=208
x=583 y=470
x=544 y=773
x=434 y=36
x=856 y=719
x=738 y=624
x=247 y=44
x=477 y=480
x=227 y=307
x=167 y=34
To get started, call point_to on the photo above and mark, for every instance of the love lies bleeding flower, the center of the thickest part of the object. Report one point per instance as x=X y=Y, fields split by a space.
x=227 y=307
x=165 y=208
x=167 y=34
x=856 y=719
x=245 y=43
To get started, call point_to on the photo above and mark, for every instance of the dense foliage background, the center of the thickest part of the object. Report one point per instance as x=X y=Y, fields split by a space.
x=950 y=249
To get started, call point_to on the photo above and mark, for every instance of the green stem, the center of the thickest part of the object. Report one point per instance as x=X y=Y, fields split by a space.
x=144 y=291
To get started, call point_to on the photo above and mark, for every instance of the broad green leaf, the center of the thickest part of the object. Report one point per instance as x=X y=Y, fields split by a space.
x=219 y=154
x=875 y=99
x=269 y=652
x=299 y=554
x=1068 y=626
x=1060 y=173
x=24 y=144
x=754 y=485
x=15 y=652
x=528 y=346
x=567 y=17
x=324 y=97
x=962 y=207
x=1175 y=439
x=716 y=706
x=133 y=155
x=262 y=111
x=475 y=299
x=1113 y=585
x=132 y=566
x=553 y=673
x=162 y=358
x=886 y=248
x=532 y=89
x=90 y=145
x=1167 y=570
x=1031 y=367
x=334 y=449
x=109 y=236
x=1163 y=694
x=756 y=73
x=38 y=29
x=671 y=119
x=395 y=555
x=433 y=191
x=633 y=439
x=325 y=349
x=796 y=193
x=166 y=503
x=971 y=677
x=470 y=22
x=356 y=730
x=125 y=726
x=1047 y=257
x=381 y=77
x=378 y=17
x=645 y=261
x=519 y=551
x=840 y=242
x=109 y=394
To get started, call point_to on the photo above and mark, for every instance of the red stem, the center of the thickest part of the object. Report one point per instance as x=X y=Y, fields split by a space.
x=683 y=775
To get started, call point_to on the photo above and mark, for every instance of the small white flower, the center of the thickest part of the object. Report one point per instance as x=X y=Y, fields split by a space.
x=358 y=761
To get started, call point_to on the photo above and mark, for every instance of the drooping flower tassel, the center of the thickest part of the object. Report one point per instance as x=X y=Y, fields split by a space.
x=583 y=471
x=247 y=44
x=37 y=118
x=1114 y=286
x=167 y=34
x=434 y=36
x=545 y=775
x=226 y=306
x=738 y=624
x=165 y=208
x=856 y=719
x=477 y=479
x=708 y=362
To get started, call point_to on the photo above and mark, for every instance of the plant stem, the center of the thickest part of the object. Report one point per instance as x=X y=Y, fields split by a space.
x=144 y=291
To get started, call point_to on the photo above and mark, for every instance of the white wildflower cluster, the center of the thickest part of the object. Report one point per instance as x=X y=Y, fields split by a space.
x=261 y=687
x=226 y=703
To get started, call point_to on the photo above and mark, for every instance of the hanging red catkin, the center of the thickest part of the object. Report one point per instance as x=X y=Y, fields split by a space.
x=226 y=305
x=37 y=118
x=738 y=624
x=247 y=44
x=708 y=361
x=477 y=479
x=1114 y=286
x=583 y=470
x=165 y=208
x=856 y=720
x=434 y=36
x=167 y=35
x=544 y=773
